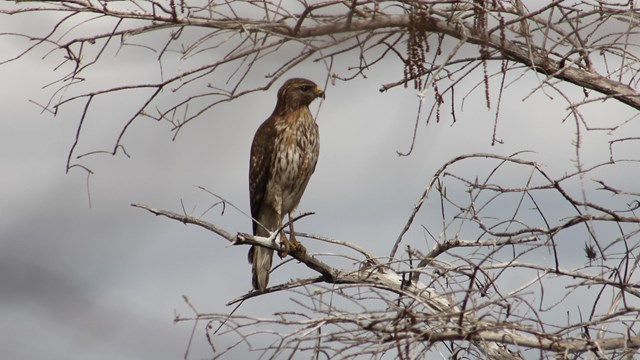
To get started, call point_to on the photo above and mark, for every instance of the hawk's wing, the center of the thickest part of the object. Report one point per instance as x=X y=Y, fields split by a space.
x=260 y=166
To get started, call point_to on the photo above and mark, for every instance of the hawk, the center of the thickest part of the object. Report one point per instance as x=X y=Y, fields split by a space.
x=284 y=154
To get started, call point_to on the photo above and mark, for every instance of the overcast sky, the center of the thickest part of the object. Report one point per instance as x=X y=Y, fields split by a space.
x=105 y=282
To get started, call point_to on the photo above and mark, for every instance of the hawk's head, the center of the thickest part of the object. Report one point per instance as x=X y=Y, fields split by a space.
x=297 y=92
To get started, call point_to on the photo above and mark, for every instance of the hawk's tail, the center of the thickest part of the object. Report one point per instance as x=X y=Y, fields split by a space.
x=261 y=259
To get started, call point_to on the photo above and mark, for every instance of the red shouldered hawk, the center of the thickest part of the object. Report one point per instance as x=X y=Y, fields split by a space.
x=284 y=153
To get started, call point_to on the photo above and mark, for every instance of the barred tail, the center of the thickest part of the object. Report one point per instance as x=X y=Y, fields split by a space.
x=261 y=259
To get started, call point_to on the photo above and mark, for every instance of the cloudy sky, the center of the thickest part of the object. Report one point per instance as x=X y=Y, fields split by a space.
x=85 y=275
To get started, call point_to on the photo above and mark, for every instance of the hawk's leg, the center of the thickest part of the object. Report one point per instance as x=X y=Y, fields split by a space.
x=294 y=245
x=285 y=245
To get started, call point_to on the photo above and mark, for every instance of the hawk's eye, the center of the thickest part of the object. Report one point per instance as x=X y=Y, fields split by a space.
x=306 y=87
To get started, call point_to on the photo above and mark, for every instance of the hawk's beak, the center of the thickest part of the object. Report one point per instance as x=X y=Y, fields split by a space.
x=319 y=92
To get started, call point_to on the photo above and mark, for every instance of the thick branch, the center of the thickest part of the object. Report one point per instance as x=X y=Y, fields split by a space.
x=544 y=342
x=537 y=60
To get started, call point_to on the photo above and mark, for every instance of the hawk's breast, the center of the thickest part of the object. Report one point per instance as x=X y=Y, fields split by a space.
x=295 y=157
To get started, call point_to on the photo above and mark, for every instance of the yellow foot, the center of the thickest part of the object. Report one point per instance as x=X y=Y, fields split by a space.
x=296 y=247
x=285 y=246
x=291 y=246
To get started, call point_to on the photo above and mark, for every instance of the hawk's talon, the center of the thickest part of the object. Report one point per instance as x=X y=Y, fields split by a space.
x=285 y=246
x=301 y=251
x=291 y=246
x=296 y=247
